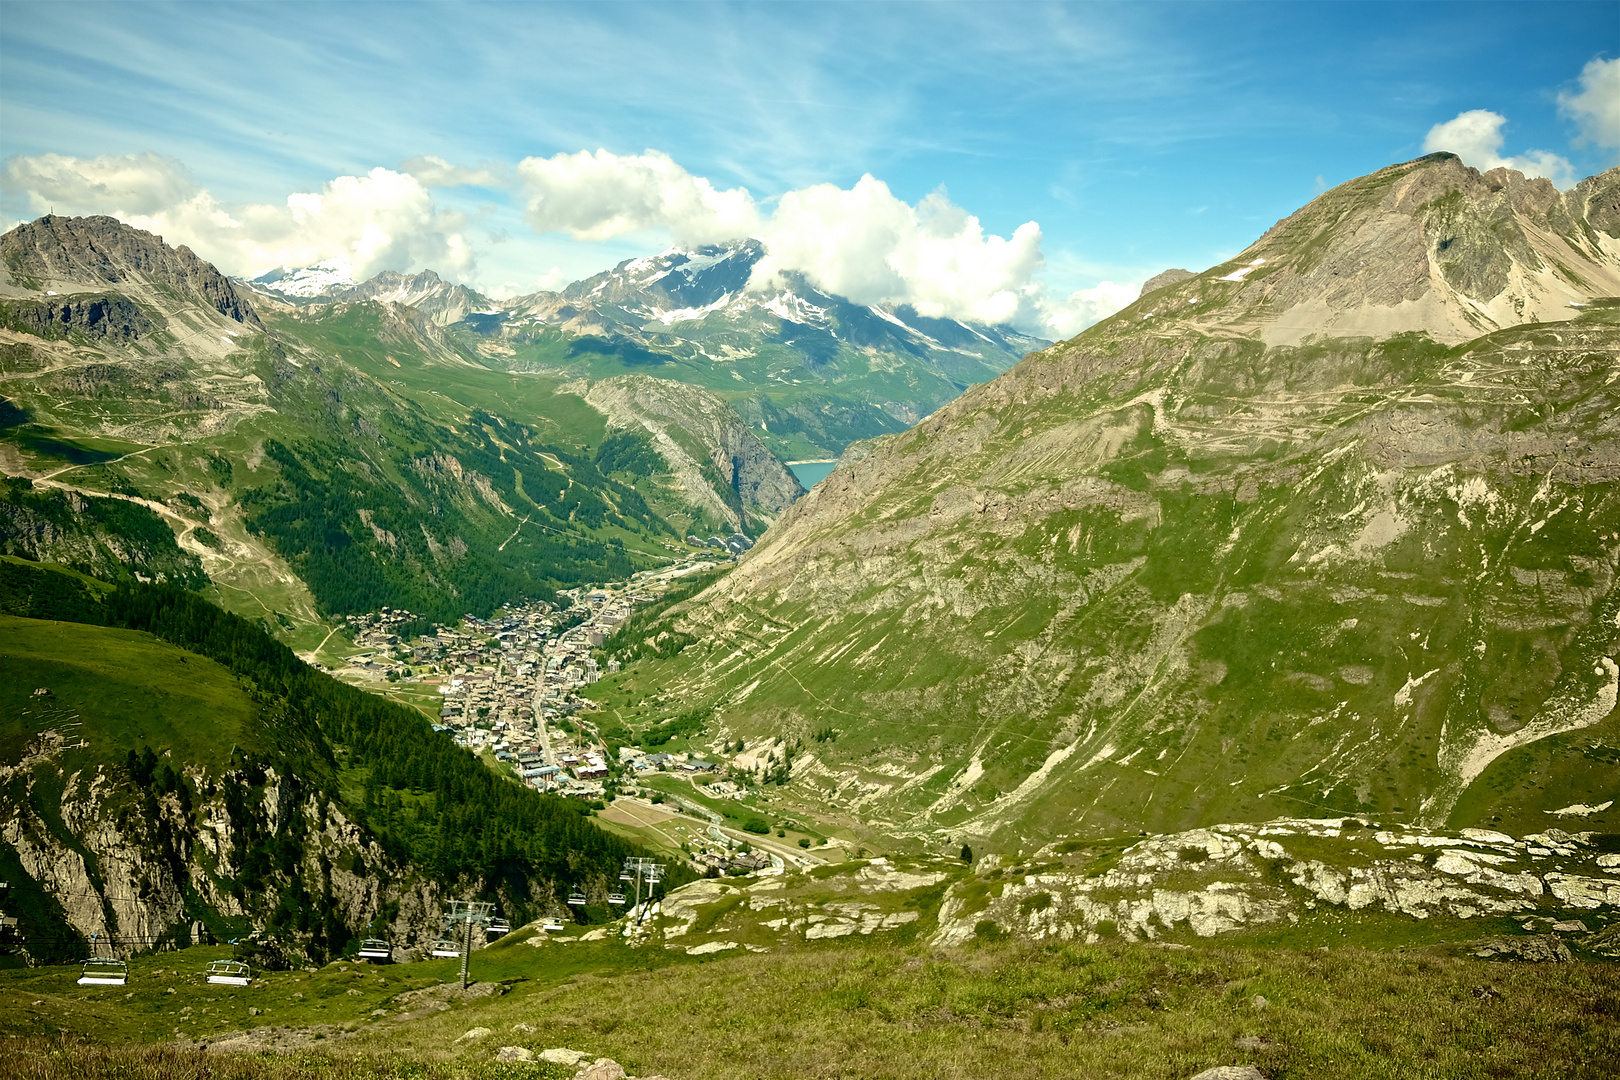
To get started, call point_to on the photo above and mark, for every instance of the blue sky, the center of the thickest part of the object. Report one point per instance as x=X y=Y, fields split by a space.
x=1137 y=136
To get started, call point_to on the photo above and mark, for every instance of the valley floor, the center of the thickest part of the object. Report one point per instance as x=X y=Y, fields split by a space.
x=835 y=1010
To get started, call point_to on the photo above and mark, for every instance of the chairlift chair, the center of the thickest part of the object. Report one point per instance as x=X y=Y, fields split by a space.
x=576 y=898
x=552 y=923
x=229 y=973
x=444 y=947
x=103 y=971
x=497 y=926
x=616 y=898
x=375 y=949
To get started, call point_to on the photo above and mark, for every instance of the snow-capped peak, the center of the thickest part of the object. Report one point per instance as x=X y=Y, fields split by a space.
x=308 y=281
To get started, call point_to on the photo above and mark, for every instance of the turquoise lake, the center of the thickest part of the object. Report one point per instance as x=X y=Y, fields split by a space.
x=809 y=472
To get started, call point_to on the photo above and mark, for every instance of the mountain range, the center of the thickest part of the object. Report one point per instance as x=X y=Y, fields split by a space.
x=1324 y=538
x=808 y=371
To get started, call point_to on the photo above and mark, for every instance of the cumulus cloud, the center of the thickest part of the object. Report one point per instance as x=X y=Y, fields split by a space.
x=1065 y=318
x=1476 y=137
x=1596 y=109
x=864 y=242
x=599 y=196
x=873 y=247
x=382 y=220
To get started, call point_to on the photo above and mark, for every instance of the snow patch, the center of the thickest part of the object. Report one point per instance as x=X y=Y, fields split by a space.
x=1238 y=274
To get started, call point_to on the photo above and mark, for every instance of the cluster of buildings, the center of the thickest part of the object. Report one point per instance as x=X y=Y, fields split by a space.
x=734 y=544
x=510 y=683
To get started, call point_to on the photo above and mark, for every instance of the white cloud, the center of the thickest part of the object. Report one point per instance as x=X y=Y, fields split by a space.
x=383 y=220
x=1066 y=318
x=872 y=247
x=1597 y=107
x=602 y=195
x=863 y=243
x=1476 y=137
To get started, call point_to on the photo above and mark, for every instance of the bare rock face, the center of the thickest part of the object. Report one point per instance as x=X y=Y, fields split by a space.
x=99 y=318
x=723 y=467
x=97 y=251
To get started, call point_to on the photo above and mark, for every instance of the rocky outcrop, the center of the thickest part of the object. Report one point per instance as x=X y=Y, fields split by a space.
x=1217 y=880
x=99 y=318
x=719 y=464
x=55 y=251
x=117 y=538
x=134 y=867
x=1167 y=277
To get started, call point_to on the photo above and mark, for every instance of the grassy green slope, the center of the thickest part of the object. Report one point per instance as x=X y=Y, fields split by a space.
x=1156 y=580
x=122 y=690
x=878 y=1011
x=281 y=452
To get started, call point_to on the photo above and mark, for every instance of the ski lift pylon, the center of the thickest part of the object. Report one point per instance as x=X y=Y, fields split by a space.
x=229 y=973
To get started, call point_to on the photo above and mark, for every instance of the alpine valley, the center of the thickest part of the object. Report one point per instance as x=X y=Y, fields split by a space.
x=1099 y=686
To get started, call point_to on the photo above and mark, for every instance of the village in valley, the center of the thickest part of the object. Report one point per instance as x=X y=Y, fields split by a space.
x=508 y=689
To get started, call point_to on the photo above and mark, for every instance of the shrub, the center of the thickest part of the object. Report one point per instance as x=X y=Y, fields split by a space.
x=757 y=825
x=804 y=841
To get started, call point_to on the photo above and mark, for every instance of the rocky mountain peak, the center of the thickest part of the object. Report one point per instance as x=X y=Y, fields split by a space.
x=1167 y=277
x=1429 y=246
x=63 y=254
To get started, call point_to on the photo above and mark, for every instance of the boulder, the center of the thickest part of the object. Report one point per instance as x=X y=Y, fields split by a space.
x=474 y=1035
x=514 y=1053
x=1539 y=949
x=1231 y=1072
x=604 y=1069
x=561 y=1055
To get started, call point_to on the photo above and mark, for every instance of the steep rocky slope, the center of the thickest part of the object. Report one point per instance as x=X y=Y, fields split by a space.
x=56 y=254
x=718 y=463
x=1332 y=528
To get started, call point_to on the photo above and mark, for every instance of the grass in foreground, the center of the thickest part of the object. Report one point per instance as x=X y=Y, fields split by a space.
x=1012 y=1010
